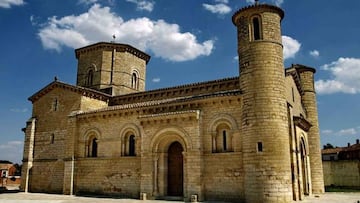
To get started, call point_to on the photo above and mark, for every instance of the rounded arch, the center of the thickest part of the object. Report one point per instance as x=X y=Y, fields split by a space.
x=305 y=181
x=303 y=141
x=130 y=127
x=222 y=129
x=222 y=119
x=90 y=133
x=91 y=139
x=135 y=77
x=256 y=27
x=94 y=67
x=130 y=139
x=165 y=137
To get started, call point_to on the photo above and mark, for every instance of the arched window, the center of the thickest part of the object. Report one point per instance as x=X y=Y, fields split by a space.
x=135 y=81
x=222 y=140
x=128 y=144
x=92 y=147
x=90 y=78
x=256 y=28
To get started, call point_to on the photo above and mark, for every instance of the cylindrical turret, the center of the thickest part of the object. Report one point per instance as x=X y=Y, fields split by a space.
x=266 y=152
x=309 y=102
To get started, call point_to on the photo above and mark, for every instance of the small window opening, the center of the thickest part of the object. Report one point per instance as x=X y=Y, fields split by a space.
x=293 y=95
x=224 y=141
x=90 y=77
x=52 y=139
x=256 y=28
x=132 y=145
x=134 y=81
x=55 y=104
x=259 y=147
x=94 y=147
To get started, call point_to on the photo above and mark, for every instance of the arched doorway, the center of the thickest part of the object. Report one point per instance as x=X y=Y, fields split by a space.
x=175 y=170
x=304 y=168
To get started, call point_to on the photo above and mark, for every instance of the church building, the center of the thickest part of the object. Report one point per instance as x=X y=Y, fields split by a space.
x=251 y=138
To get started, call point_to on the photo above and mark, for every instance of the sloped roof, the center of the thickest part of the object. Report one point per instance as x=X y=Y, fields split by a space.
x=77 y=89
x=332 y=150
x=335 y=150
x=164 y=101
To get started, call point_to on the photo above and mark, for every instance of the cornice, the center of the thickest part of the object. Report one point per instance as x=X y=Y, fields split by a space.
x=257 y=6
x=112 y=46
x=302 y=123
x=77 y=89
x=155 y=103
x=206 y=87
x=292 y=72
x=171 y=115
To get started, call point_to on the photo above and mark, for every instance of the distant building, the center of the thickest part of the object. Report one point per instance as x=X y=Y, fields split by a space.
x=350 y=152
x=9 y=176
x=341 y=166
x=250 y=138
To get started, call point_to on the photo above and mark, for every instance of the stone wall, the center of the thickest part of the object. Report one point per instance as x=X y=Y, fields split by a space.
x=47 y=177
x=342 y=173
x=223 y=176
x=118 y=176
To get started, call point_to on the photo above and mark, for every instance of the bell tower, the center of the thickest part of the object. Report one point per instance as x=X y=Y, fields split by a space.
x=112 y=68
x=266 y=151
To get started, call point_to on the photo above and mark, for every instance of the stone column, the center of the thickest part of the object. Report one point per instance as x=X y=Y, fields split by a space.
x=28 y=156
x=264 y=117
x=310 y=104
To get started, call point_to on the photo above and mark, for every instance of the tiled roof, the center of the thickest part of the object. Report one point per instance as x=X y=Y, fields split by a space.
x=353 y=147
x=164 y=101
x=332 y=150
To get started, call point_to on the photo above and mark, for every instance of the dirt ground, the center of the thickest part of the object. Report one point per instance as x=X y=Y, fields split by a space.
x=20 y=197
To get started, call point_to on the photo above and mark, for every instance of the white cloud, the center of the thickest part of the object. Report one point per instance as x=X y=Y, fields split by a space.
x=9 y=3
x=315 y=53
x=327 y=132
x=156 y=80
x=222 y=1
x=19 y=110
x=345 y=73
x=219 y=8
x=99 y=24
x=250 y=1
x=291 y=47
x=12 y=151
x=87 y=2
x=143 y=4
x=342 y=132
x=349 y=131
x=278 y=2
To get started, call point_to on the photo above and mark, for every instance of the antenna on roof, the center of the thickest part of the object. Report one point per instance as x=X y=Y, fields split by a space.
x=114 y=37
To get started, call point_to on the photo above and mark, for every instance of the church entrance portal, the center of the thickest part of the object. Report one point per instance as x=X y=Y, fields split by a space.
x=175 y=170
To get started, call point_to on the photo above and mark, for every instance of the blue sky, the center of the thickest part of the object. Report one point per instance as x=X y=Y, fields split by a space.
x=189 y=41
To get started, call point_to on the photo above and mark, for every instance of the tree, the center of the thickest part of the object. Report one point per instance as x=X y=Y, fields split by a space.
x=328 y=146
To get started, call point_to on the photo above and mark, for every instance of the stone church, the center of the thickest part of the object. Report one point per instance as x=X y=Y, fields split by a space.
x=251 y=138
